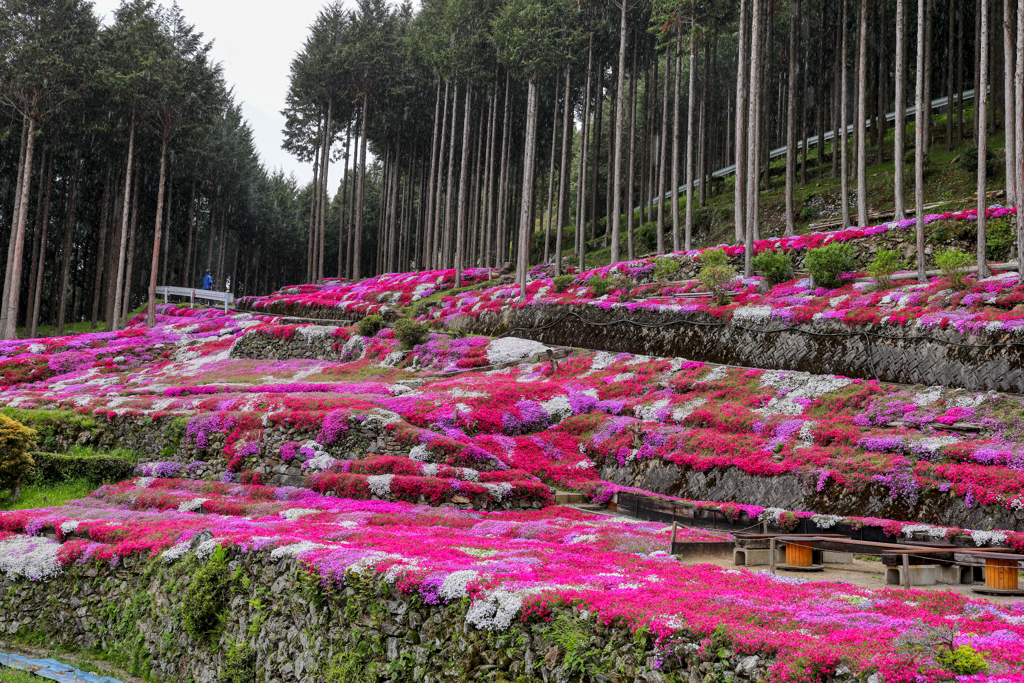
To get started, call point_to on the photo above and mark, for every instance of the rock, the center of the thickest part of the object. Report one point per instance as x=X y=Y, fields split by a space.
x=747 y=665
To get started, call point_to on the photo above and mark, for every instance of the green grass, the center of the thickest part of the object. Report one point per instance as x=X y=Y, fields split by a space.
x=47 y=495
x=16 y=675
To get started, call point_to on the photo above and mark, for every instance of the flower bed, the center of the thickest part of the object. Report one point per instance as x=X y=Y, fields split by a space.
x=519 y=566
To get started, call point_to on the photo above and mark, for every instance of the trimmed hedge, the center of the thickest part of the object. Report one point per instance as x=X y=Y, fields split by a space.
x=99 y=469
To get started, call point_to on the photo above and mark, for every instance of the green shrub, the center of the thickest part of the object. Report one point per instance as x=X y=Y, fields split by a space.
x=97 y=469
x=410 y=332
x=665 y=268
x=954 y=264
x=206 y=596
x=371 y=325
x=827 y=263
x=714 y=279
x=964 y=660
x=1000 y=235
x=16 y=465
x=968 y=162
x=776 y=266
x=563 y=282
x=808 y=212
x=713 y=257
x=600 y=286
x=885 y=263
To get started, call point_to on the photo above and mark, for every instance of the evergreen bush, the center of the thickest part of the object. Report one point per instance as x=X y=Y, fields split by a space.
x=371 y=325
x=776 y=266
x=16 y=465
x=665 y=268
x=885 y=263
x=600 y=286
x=827 y=263
x=563 y=282
x=410 y=332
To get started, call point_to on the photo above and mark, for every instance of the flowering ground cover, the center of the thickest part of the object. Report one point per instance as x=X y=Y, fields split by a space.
x=519 y=566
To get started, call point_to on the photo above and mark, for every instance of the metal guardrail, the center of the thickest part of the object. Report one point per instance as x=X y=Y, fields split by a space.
x=193 y=294
x=812 y=141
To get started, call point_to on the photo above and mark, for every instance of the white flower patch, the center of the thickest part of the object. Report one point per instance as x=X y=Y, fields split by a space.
x=602 y=360
x=69 y=527
x=638 y=359
x=419 y=453
x=206 y=548
x=682 y=412
x=398 y=389
x=583 y=464
x=175 y=552
x=648 y=412
x=394 y=358
x=557 y=408
x=806 y=433
x=354 y=348
x=454 y=585
x=511 y=349
x=497 y=610
x=933 y=444
x=796 y=385
x=429 y=469
x=371 y=560
x=932 y=531
x=499 y=491
x=718 y=372
x=459 y=392
x=32 y=557
x=836 y=300
x=292 y=514
x=320 y=462
x=384 y=417
x=982 y=538
x=36 y=348
x=292 y=549
x=771 y=515
x=757 y=315
x=380 y=484
x=928 y=396
x=826 y=521
x=584 y=538
x=144 y=482
x=192 y=505
x=468 y=474
x=623 y=377
x=463 y=408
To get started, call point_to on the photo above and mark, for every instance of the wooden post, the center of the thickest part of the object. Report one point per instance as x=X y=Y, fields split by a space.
x=1001 y=574
x=672 y=543
x=906 y=571
x=771 y=555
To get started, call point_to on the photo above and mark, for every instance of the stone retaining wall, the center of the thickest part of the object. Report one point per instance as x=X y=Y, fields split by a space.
x=281 y=626
x=312 y=341
x=903 y=356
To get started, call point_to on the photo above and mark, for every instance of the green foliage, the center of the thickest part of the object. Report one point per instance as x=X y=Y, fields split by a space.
x=776 y=266
x=206 y=596
x=827 y=263
x=962 y=661
x=16 y=465
x=968 y=162
x=714 y=279
x=97 y=469
x=239 y=664
x=371 y=325
x=665 y=268
x=563 y=282
x=954 y=264
x=535 y=37
x=600 y=286
x=999 y=237
x=410 y=332
x=174 y=432
x=885 y=263
x=573 y=636
x=46 y=495
x=52 y=426
x=713 y=257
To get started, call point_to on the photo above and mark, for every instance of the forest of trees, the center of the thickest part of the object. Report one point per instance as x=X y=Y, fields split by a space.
x=125 y=164
x=493 y=120
x=470 y=133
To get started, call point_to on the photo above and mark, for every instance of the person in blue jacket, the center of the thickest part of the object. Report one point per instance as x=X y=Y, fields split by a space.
x=208 y=281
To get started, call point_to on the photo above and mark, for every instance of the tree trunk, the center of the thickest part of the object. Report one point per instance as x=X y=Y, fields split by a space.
x=900 y=122
x=342 y=196
x=1018 y=134
x=488 y=212
x=130 y=259
x=564 y=171
x=753 y=147
x=741 y=122
x=360 y=194
x=630 y=145
x=691 y=106
x=551 y=176
x=432 y=180
x=596 y=161
x=314 y=204
x=325 y=162
x=663 y=152
x=39 y=235
x=919 y=141
x=530 y=143
x=10 y=308
x=794 y=17
x=37 y=290
x=69 y=236
x=702 y=134
x=123 y=243
x=862 y=114
x=581 y=209
x=463 y=189
x=186 y=279
x=1010 y=106
x=843 y=122
x=981 y=130
x=446 y=244
x=157 y=233
x=501 y=239
x=16 y=216
x=620 y=103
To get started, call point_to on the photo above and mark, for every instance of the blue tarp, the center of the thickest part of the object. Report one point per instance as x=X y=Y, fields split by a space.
x=51 y=669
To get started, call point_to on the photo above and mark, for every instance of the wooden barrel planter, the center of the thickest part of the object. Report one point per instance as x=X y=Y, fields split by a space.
x=800 y=557
x=999 y=574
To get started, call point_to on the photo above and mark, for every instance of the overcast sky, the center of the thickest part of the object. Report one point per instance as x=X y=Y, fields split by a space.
x=255 y=40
